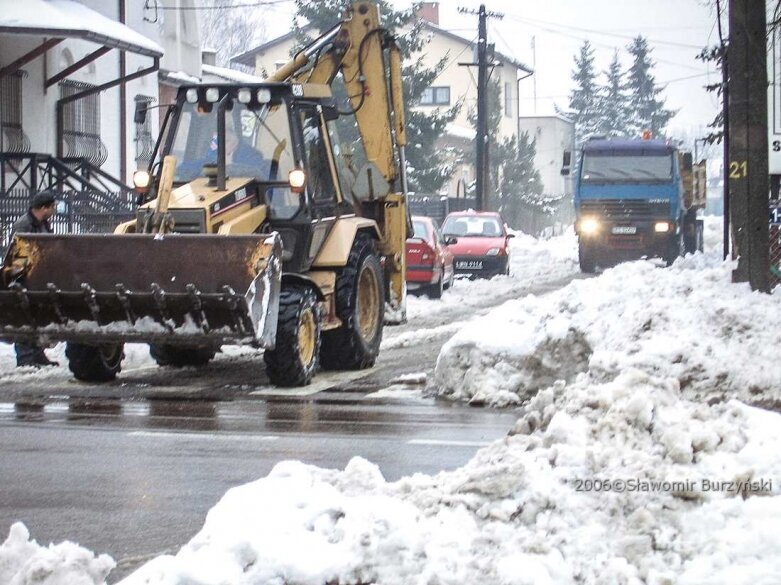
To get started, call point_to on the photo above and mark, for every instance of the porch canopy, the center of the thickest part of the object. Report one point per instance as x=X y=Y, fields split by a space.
x=60 y=19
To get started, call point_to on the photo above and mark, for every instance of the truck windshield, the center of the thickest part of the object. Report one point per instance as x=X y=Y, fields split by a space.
x=257 y=142
x=626 y=168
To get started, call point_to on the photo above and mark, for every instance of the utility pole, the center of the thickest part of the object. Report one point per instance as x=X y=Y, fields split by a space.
x=748 y=164
x=482 y=183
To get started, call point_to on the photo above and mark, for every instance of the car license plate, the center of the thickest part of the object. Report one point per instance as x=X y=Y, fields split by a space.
x=469 y=264
x=624 y=230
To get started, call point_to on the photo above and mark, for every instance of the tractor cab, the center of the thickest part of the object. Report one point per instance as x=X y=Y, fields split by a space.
x=265 y=146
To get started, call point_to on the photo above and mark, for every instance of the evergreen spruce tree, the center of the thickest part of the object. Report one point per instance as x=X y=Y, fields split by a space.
x=613 y=103
x=427 y=166
x=584 y=99
x=647 y=104
x=520 y=186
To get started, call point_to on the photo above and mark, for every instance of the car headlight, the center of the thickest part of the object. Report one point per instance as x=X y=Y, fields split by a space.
x=589 y=225
x=661 y=227
x=492 y=252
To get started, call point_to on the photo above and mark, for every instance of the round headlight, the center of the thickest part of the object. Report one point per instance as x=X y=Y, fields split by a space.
x=297 y=179
x=589 y=225
x=192 y=95
x=141 y=179
x=212 y=94
x=264 y=96
x=244 y=95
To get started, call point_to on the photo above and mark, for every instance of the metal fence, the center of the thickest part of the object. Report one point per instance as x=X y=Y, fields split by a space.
x=775 y=243
x=437 y=206
x=78 y=212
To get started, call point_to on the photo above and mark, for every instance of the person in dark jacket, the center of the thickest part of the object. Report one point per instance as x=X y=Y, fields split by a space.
x=36 y=221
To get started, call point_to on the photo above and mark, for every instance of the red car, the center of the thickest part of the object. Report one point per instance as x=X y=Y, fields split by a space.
x=483 y=244
x=429 y=262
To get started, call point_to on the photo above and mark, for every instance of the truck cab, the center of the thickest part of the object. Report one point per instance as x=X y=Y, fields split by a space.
x=631 y=202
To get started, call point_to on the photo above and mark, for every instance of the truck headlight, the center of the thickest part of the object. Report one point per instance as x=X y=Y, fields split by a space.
x=661 y=227
x=589 y=226
x=492 y=252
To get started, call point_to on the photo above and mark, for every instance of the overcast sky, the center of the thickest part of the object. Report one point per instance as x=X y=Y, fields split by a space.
x=676 y=29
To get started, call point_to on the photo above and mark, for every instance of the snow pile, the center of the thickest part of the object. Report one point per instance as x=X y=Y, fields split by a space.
x=688 y=322
x=24 y=562
x=523 y=510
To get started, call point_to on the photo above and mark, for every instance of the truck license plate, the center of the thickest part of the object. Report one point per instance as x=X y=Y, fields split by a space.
x=625 y=230
x=469 y=264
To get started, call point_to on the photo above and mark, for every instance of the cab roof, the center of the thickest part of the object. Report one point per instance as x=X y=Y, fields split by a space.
x=628 y=145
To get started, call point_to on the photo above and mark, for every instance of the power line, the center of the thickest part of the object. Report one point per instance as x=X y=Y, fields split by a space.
x=220 y=7
x=598 y=32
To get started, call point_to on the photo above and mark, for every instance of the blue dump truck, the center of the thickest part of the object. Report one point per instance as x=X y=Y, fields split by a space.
x=635 y=198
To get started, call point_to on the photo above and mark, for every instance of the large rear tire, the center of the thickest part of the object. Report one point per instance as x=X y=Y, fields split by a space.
x=91 y=363
x=294 y=359
x=180 y=357
x=360 y=304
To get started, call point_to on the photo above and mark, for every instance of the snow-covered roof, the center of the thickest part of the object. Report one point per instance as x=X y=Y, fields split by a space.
x=460 y=131
x=230 y=74
x=69 y=19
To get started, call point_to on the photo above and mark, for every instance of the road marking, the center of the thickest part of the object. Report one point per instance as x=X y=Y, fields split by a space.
x=210 y=436
x=448 y=443
x=320 y=384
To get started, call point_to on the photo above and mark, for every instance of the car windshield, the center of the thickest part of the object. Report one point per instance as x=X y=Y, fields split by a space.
x=419 y=230
x=599 y=168
x=257 y=142
x=465 y=226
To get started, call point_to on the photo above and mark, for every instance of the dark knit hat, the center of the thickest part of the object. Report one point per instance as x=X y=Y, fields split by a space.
x=42 y=199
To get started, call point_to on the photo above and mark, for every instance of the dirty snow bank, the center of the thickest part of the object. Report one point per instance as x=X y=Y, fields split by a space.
x=24 y=562
x=688 y=322
x=518 y=513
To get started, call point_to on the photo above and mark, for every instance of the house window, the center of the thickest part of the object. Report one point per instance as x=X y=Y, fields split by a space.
x=508 y=99
x=12 y=137
x=81 y=123
x=145 y=143
x=435 y=96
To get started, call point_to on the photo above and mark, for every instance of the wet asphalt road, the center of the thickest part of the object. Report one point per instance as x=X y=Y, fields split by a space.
x=131 y=468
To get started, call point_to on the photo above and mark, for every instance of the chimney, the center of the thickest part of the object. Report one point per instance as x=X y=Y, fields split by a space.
x=209 y=56
x=429 y=11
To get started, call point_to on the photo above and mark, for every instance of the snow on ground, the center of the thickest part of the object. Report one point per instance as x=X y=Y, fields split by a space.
x=688 y=322
x=24 y=562
x=614 y=476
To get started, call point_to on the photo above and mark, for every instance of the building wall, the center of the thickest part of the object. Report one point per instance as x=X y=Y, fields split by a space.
x=39 y=105
x=553 y=136
x=463 y=87
x=268 y=60
x=463 y=90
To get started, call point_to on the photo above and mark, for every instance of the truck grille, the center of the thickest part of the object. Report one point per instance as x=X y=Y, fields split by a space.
x=624 y=209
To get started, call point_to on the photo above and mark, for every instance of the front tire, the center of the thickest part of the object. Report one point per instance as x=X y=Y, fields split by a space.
x=294 y=359
x=586 y=260
x=180 y=357
x=91 y=363
x=435 y=290
x=360 y=304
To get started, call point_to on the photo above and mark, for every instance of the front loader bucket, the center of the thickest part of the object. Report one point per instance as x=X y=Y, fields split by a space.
x=172 y=289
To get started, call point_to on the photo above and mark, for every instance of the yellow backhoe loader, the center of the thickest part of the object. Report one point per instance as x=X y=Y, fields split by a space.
x=259 y=226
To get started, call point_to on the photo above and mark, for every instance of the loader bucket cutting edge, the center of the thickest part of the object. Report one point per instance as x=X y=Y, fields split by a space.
x=174 y=289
